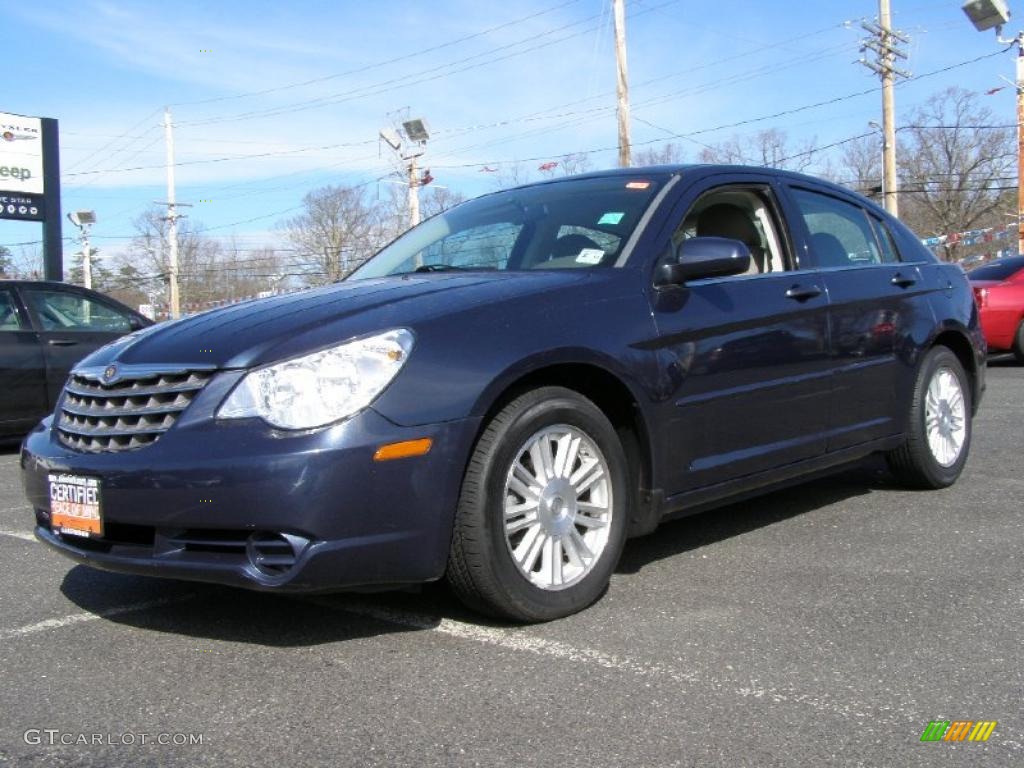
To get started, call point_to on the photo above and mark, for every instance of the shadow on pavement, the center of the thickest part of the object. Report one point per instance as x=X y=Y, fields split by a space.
x=9 y=446
x=213 y=612
x=679 y=536
x=1004 y=361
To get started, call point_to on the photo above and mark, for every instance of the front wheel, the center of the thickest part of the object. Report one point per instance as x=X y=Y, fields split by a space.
x=542 y=514
x=938 y=424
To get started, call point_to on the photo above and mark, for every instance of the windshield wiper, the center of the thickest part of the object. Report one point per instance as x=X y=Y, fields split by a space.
x=439 y=268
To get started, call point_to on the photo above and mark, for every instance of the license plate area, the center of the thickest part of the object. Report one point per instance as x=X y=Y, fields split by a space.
x=75 y=505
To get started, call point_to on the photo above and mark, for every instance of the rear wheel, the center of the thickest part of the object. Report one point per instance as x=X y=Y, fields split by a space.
x=542 y=514
x=938 y=425
x=1018 y=343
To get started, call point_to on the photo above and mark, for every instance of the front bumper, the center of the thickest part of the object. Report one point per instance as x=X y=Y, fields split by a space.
x=239 y=503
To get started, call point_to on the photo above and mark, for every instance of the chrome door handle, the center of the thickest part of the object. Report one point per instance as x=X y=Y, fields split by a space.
x=803 y=292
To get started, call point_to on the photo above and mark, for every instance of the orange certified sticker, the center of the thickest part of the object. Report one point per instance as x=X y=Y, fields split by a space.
x=75 y=505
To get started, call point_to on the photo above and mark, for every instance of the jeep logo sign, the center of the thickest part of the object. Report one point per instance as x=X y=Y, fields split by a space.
x=21 y=155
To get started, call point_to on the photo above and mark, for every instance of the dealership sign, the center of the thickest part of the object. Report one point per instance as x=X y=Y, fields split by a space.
x=21 y=168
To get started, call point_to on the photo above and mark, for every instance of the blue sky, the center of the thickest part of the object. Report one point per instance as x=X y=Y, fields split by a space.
x=271 y=100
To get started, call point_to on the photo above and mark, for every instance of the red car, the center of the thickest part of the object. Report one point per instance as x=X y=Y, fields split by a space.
x=999 y=291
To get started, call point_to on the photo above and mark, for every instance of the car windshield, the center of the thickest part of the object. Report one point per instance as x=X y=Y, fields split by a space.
x=997 y=270
x=571 y=224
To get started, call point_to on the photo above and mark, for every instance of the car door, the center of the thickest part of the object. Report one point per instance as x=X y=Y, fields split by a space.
x=71 y=325
x=746 y=356
x=878 y=309
x=22 y=368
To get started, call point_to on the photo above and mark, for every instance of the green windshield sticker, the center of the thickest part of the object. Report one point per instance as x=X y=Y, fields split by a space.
x=613 y=217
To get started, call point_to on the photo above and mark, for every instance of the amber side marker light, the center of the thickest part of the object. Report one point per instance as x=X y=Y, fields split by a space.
x=404 y=449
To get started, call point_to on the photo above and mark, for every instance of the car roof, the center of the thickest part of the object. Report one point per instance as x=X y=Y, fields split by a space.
x=709 y=169
x=45 y=283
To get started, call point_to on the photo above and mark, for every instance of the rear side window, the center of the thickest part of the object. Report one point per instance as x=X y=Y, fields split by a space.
x=889 y=253
x=841 y=235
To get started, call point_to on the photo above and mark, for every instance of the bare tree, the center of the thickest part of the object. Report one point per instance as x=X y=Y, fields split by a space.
x=336 y=232
x=512 y=174
x=438 y=200
x=956 y=168
x=668 y=153
x=243 y=273
x=6 y=262
x=860 y=166
x=149 y=254
x=574 y=163
x=771 y=148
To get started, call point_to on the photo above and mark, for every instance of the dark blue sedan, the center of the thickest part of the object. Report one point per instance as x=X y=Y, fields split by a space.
x=509 y=391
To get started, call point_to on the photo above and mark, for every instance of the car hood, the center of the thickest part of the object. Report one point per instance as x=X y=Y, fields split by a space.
x=265 y=330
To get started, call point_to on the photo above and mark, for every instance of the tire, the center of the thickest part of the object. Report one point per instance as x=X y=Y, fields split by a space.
x=516 y=550
x=941 y=401
x=1018 y=343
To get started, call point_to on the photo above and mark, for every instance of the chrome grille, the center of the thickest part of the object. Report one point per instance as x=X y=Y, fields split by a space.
x=127 y=414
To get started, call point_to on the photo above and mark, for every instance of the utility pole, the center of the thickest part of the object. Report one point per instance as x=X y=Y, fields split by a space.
x=173 y=298
x=411 y=132
x=622 y=81
x=884 y=41
x=414 y=193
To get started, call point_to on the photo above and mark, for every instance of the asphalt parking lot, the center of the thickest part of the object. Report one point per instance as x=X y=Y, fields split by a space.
x=822 y=625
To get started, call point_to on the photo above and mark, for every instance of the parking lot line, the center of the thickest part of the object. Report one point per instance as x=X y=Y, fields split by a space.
x=19 y=535
x=78 y=618
x=516 y=640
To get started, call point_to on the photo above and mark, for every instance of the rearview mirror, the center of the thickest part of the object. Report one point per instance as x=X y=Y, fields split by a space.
x=704 y=257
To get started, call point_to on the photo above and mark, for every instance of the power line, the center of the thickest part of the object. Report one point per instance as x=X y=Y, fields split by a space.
x=118 y=138
x=423 y=76
x=747 y=121
x=225 y=158
x=386 y=62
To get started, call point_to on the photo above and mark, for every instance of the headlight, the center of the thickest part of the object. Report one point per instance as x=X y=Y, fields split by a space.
x=323 y=387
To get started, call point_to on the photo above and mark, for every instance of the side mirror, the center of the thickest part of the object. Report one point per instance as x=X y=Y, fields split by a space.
x=704 y=257
x=135 y=323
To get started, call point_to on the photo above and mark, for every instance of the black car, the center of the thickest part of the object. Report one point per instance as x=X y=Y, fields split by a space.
x=509 y=391
x=45 y=328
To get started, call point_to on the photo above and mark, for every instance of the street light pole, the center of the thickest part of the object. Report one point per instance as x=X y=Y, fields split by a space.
x=1020 y=141
x=83 y=220
x=989 y=14
x=86 y=259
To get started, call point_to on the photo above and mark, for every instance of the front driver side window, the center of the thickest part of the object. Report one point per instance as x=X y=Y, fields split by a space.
x=737 y=214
